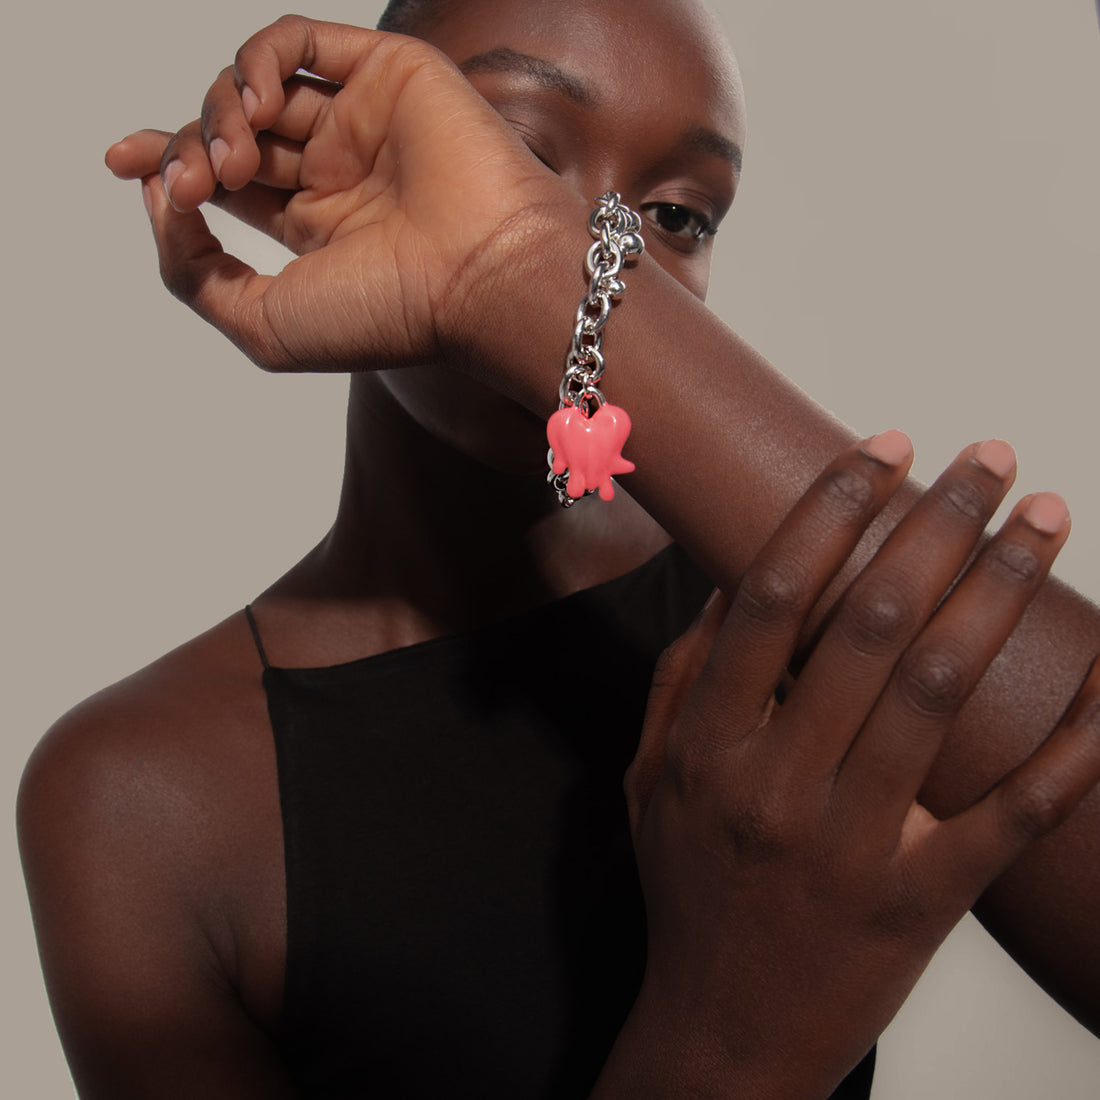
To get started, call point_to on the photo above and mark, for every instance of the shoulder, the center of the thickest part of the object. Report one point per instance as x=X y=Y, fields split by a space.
x=148 y=816
x=151 y=840
x=173 y=726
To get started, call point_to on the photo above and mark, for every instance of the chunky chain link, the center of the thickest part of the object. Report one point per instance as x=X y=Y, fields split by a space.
x=617 y=230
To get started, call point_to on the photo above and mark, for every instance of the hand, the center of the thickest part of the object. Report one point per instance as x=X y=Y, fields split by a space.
x=397 y=185
x=795 y=886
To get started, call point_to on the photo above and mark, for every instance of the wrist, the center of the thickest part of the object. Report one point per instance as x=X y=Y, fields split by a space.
x=507 y=316
x=669 y=1051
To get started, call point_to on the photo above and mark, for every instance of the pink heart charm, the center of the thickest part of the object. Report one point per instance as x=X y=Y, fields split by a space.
x=589 y=447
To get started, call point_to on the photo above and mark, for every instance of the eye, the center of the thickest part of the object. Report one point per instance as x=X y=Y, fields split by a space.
x=541 y=157
x=686 y=226
x=533 y=141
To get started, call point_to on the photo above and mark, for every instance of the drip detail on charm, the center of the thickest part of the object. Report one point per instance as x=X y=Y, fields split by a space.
x=589 y=448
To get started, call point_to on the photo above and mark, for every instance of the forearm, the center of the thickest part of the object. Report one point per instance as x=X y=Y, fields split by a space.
x=724 y=445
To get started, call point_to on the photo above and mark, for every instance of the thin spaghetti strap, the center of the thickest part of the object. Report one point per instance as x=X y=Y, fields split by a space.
x=256 y=636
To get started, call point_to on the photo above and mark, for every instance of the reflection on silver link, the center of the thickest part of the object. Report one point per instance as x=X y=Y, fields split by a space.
x=617 y=230
x=593 y=393
x=592 y=324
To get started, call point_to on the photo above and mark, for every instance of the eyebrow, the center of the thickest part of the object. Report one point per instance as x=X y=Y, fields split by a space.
x=710 y=141
x=546 y=73
x=556 y=79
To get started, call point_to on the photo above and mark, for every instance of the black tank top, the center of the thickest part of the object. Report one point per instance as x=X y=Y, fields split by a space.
x=463 y=912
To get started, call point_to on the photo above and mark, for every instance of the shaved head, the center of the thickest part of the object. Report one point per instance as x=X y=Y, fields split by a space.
x=406 y=16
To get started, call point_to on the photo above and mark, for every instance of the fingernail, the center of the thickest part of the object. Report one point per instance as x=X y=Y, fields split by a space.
x=716 y=596
x=997 y=457
x=219 y=150
x=250 y=101
x=891 y=448
x=1046 y=512
x=170 y=175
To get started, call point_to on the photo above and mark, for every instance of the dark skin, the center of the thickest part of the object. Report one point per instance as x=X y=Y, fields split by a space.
x=164 y=956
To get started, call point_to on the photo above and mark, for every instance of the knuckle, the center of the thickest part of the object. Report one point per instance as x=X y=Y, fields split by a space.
x=911 y=914
x=687 y=751
x=962 y=499
x=760 y=829
x=769 y=595
x=694 y=751
x=640 y=779
x=180 y=280
x=685 y=768
x=848 y=492
x=1013 y=561
x=1033 y=807
x=290 y=19
x=755 y=821
x=877 y=616
x=933 y=681
x=896 y=914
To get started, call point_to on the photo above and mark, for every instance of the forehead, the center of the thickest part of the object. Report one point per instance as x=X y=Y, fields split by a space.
x=657 y=55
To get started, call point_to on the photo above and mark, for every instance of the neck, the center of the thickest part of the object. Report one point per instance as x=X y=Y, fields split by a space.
x=429 y=540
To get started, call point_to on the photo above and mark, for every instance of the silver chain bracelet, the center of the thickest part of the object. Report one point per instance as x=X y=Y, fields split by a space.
x=617 y=230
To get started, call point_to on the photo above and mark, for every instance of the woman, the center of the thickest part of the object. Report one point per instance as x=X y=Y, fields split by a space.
x=185 y=741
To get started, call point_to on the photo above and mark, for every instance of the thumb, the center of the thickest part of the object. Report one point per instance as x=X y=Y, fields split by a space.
x=223 y=290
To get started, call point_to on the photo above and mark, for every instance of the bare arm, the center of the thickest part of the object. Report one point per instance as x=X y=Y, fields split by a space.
x=133 y=872
x=723 y=443
x=795 y=884
x=724 y=446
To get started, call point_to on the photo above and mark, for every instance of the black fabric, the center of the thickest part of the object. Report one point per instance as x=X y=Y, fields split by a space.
x=463 y=912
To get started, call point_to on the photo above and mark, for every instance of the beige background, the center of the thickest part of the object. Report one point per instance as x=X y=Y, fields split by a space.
x=916 y=243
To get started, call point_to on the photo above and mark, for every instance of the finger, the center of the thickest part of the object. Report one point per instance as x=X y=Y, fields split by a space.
x=889 y=760
x=263 y=207
x=274 y=155
x=185 y=169
x=235 y=152
x=676 y=671
x=180 y=158
x=1030 y=802
x=280 y=164
x=227 y=135
x=895 y=595
x=307 y=100
x=271 y=56
x=779 y=589
x=137 y=155
x=257 y=205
